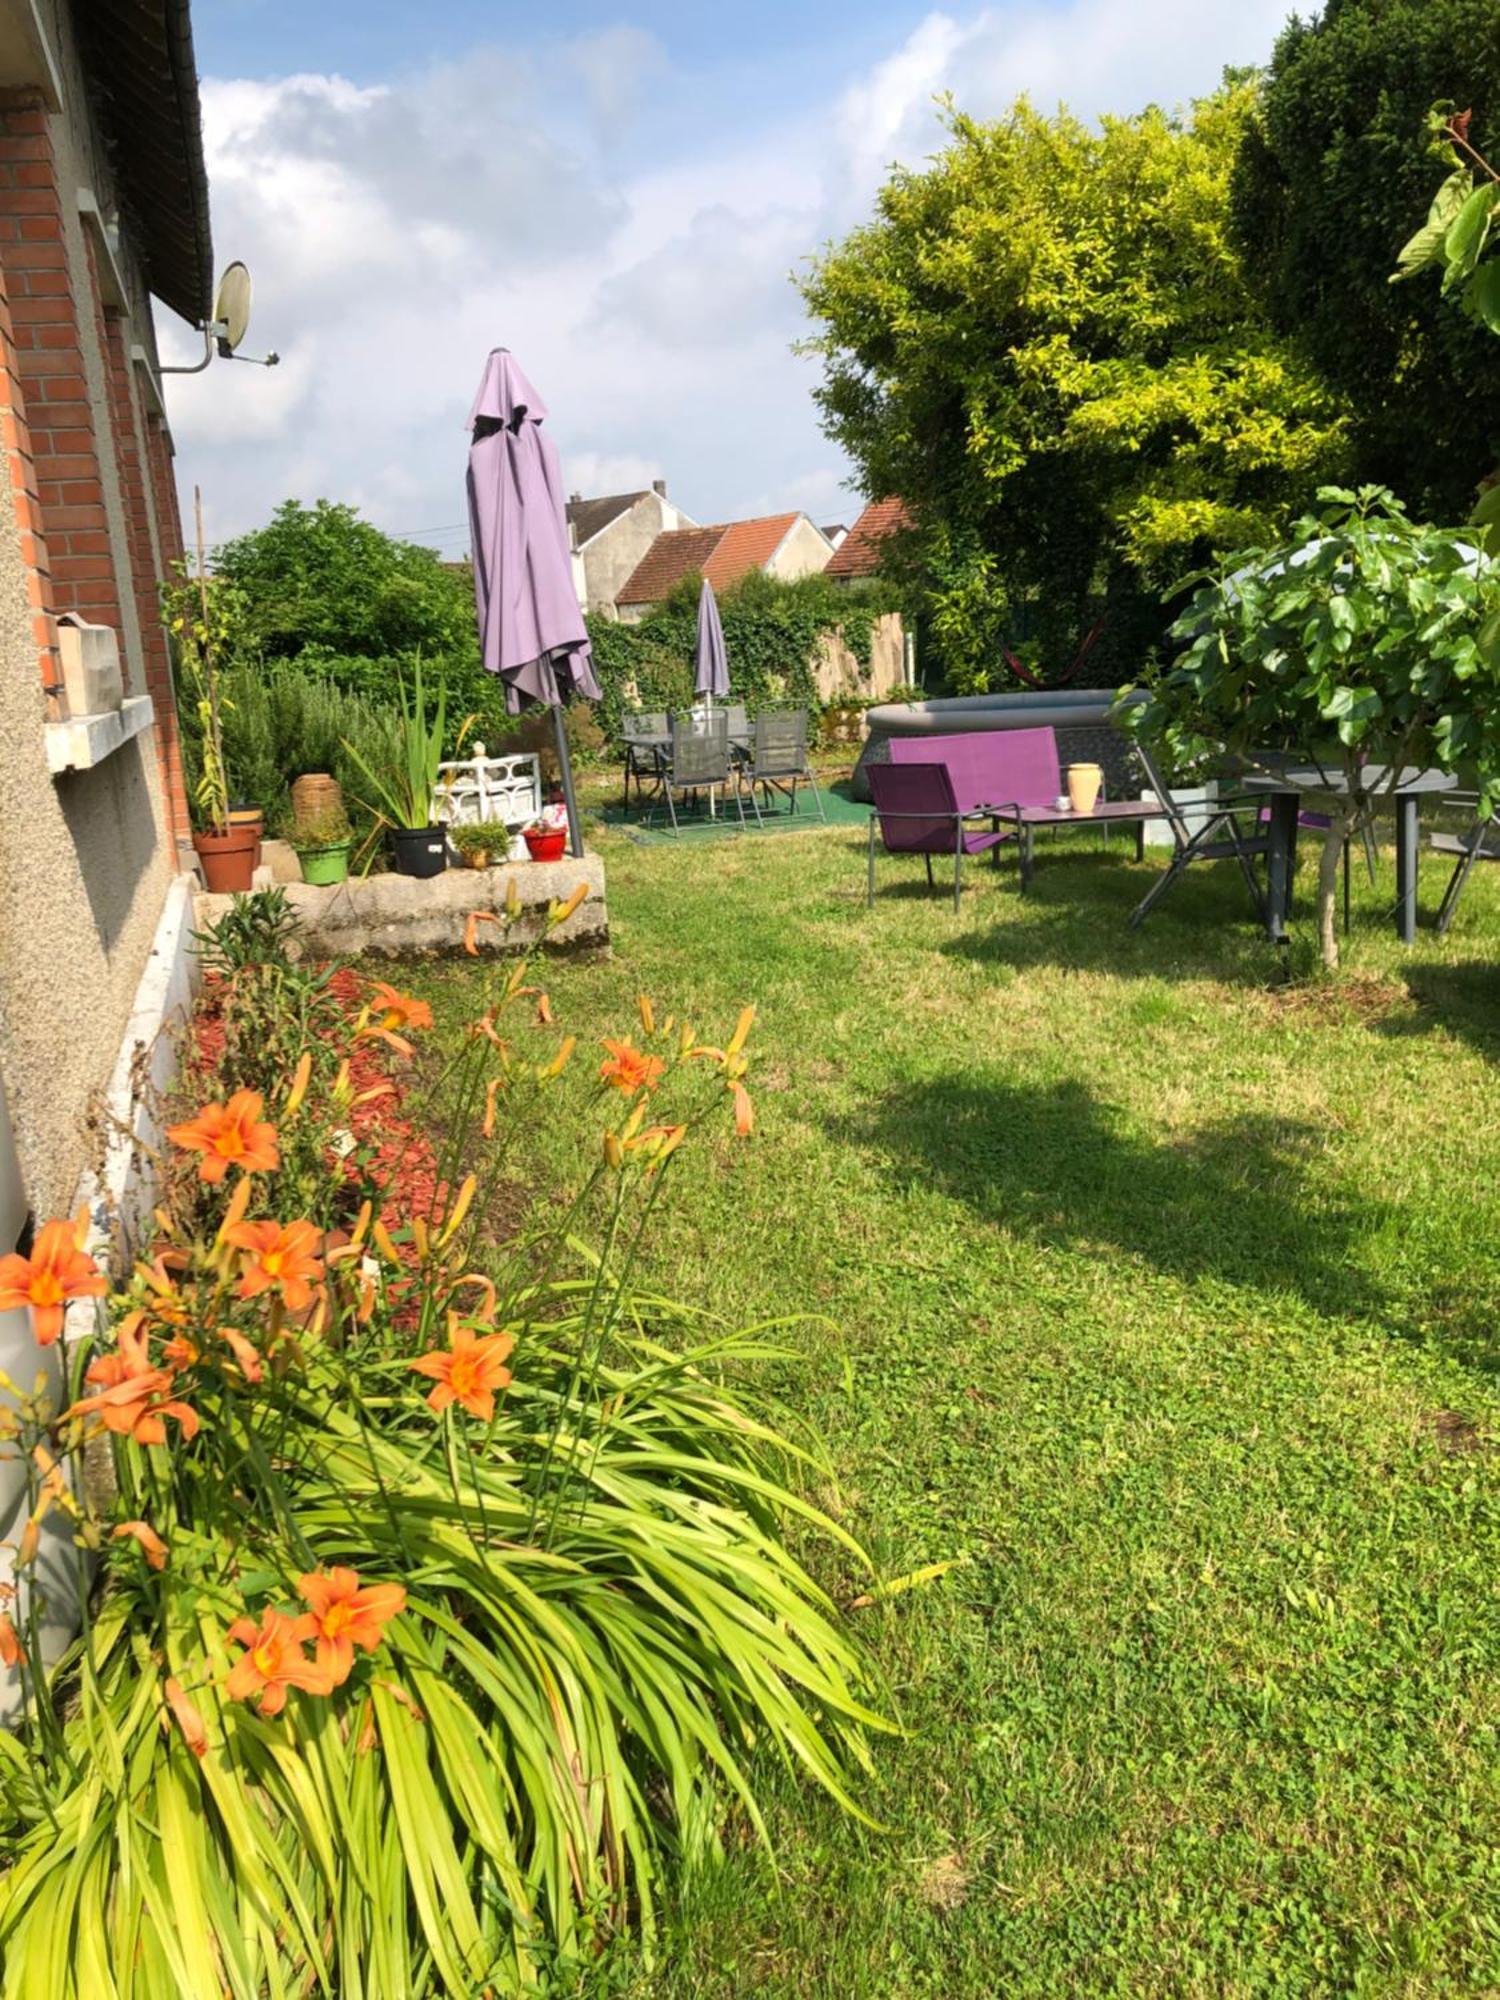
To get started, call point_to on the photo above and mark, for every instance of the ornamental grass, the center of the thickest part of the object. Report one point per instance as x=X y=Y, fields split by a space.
x=439 y=1591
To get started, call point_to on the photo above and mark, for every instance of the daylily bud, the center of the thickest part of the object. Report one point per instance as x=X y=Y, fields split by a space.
x=614 y=1152
x=741 y=1031
x=648 y=1014
x=300 y=1079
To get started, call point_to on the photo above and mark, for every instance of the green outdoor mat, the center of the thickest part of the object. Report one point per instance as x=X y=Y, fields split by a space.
x=837 y=804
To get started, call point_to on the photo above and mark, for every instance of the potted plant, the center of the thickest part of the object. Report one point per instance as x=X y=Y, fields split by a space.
x=545 y=840
x=480 y=844
x=227 y=842
x=322 y=841
x=404 y=798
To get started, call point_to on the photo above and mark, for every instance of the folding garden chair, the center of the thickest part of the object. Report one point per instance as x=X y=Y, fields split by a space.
x=916 y=812
x=699 y=761
x=1219 y=838
x=779 y=760
x=1480 y=843
x=643 y=736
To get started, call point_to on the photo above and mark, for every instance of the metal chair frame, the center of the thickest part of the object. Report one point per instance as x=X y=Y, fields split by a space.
x=699 y=762
x=643 y=759
x=1469 y=848
x=779 y=761
x=1218 y=839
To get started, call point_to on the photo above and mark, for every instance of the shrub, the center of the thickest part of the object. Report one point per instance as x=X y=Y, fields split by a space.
x=444 y=1588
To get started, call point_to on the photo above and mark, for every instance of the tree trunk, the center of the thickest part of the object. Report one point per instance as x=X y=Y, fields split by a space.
x=1341 y=828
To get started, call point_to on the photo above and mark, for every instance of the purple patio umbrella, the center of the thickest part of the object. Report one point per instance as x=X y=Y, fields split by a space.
x=531 y=629
x=711 y=662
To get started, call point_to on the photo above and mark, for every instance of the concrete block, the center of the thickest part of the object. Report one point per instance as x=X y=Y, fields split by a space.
x=392 y=915
x=281 y=858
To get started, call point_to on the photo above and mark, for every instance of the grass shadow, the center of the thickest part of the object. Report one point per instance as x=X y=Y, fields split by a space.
x=1249 y=1201
x=1464 y=999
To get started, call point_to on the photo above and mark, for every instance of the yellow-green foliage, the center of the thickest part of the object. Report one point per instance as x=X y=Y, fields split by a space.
x=1044 y=342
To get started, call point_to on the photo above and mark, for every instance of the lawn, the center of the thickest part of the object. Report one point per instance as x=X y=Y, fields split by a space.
x=1161 y=1300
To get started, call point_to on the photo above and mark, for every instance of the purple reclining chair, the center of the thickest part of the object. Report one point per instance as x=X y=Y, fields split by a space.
x=917 y=813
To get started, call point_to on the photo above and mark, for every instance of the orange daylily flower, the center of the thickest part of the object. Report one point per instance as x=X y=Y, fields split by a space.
x=629 y=1069
x=189 y=1721
x=744 y=1111
x=134 y=1398
x=344 y=1614
x=468 y=1373
x=58 y=1269
x=388 y=1012
x=471 y=929
x=230 y=1135
x=152 y=1546
x=10 y=1645
x=273 y=1661
x=279 y=1257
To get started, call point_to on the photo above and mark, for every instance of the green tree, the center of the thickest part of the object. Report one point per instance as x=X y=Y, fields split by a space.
x=320 y=577
x=1356 y=641
x=1329 y=179
x=1044 y=344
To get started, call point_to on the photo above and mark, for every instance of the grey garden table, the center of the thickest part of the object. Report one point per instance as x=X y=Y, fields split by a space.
x=1285 y=793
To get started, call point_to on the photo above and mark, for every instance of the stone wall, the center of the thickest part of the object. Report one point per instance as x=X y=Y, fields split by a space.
x=839 y=674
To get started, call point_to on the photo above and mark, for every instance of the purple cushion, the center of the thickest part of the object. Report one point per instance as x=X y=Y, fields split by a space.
x=990 y=767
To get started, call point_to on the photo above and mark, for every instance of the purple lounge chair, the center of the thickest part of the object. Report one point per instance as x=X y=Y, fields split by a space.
x=916 y=813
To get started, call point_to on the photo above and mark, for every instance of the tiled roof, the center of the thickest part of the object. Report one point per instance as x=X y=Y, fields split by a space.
x=746 y=545
x=675 y=553
x=592 y=517
x=859 y=552
x=724 y=554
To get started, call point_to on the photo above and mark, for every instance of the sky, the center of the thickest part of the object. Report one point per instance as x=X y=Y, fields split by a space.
x=619 y=193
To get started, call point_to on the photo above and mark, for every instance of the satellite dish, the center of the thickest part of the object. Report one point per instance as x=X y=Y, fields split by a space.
x=232 y=308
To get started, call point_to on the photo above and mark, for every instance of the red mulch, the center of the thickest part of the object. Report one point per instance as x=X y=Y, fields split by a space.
x=396 y=1155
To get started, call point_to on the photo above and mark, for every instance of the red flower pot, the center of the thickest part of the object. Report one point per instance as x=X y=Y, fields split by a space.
x=548 y=844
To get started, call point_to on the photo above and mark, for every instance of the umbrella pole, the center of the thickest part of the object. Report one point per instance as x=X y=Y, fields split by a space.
x=565 y=767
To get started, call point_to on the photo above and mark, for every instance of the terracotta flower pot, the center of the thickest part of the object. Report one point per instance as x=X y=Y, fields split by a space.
x=1084 y=781
x=548 y=844
x=228 y=859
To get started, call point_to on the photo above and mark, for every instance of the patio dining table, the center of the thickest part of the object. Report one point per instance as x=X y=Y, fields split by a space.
x=1285 y=792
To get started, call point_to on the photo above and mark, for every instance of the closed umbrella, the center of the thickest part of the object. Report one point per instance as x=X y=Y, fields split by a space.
x=531 y=629
x=710 y=661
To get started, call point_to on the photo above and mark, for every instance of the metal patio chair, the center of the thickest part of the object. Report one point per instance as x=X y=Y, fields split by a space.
x=916 y=812
x=642 y=736
x=1480 y=843
x=699 y=762
x=779 y=761
x=1220 y=838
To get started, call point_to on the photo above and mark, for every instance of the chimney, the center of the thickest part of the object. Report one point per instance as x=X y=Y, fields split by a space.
x=659 y=486
x=575 y=499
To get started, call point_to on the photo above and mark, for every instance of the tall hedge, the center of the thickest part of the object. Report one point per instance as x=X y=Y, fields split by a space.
x=1332 y=178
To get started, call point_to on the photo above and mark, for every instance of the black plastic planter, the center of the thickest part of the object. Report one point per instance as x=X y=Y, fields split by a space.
x=420 y=851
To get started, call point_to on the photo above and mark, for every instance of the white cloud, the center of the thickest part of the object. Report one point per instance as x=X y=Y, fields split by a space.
x=527 y=198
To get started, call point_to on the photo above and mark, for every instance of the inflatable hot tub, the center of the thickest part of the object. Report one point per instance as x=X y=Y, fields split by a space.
x=1085 y=734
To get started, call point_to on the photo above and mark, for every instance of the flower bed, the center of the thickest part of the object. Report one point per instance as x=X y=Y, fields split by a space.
x=437 y=1590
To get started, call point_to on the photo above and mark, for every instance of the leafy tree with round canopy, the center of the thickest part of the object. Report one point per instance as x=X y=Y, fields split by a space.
x=1354 y=643
x=1044 y=344
x=1329 y=180
x=322 y=578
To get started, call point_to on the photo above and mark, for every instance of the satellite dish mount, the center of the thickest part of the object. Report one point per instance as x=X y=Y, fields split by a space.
x=223 y=332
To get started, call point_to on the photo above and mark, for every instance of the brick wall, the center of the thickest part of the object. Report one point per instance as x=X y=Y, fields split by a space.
x=72 y=445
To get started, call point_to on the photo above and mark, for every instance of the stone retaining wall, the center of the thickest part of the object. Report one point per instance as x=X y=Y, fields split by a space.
x=393 y=915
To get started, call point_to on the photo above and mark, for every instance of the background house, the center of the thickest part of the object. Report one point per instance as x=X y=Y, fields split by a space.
x=610 y=536
x=859 y=551
x=780 y=545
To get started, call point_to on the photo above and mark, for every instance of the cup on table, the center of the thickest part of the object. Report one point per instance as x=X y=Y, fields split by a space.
x=1062 y=803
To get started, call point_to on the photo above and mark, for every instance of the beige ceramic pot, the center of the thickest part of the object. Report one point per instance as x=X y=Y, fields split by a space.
x=1084 y=781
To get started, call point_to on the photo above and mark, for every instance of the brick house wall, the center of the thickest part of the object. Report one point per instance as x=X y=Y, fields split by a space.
x=104 y=492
